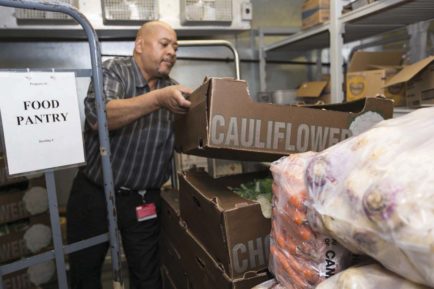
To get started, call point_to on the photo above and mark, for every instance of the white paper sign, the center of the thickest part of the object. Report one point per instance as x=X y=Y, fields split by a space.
x=41 y=121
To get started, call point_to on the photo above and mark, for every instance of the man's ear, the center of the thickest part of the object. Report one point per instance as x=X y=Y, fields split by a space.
x=138 y=45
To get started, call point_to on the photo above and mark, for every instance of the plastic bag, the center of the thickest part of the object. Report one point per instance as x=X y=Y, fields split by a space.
x=299 y=258
x=374 y=193
x=371 y=276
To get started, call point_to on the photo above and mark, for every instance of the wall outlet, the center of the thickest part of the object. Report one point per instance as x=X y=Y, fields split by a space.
x=246 y=11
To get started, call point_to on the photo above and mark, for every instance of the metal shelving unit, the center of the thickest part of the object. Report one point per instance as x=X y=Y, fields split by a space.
x=59 y=251
x=367 y=21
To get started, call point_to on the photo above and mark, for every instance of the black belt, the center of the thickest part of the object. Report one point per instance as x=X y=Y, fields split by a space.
x=124 y=191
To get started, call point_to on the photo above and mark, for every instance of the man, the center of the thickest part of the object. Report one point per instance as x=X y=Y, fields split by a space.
x=140 y=101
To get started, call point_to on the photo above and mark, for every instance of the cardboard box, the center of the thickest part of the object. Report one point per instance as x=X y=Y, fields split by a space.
x=167 y=281
x=231 y=228
x=18 y=280
x=189 y=261
x=13 y=244
x=315 y=12
x=204 y=272
x=13 y=205
x=172 y=262
x=313 y=92
x=200 y=268
x=172 y=228
x=224 y=122
x=43 y=274
x=418 y=80
x=368 y=72
x=360 y=3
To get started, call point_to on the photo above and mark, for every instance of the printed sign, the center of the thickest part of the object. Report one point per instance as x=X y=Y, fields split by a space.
x=41 y=121
x=273 y=135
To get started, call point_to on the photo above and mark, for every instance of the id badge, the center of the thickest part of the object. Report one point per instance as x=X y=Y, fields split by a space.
x=146 y=212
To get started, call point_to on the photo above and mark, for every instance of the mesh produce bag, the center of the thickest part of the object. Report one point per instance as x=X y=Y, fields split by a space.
x=371 y=276
x=374 y=193
x=299 y=258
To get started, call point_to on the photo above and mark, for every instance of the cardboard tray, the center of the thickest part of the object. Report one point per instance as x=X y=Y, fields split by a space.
x=224 y=122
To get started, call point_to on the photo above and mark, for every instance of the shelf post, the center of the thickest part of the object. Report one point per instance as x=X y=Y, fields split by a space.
x=262 y=63
x=336 y=58
x=418 y=33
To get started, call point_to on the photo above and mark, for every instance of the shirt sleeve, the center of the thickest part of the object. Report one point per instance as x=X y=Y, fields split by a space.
x=113 y=88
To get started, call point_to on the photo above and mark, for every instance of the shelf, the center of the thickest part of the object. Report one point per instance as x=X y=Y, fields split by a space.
x=370 y=20
x=316 y=37
x=383 y=16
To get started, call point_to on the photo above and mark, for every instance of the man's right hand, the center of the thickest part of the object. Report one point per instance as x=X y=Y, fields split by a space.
x=173 y=98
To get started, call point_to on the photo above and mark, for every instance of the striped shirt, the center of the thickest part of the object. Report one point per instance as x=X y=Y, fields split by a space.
x=141 y=151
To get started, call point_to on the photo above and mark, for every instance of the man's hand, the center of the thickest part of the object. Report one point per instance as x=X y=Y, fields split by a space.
x=174 y=98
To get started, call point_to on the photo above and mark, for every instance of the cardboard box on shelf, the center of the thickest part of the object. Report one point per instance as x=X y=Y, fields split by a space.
x=360 y=3
x=368 y=73
x=18 y=280
x=224 y=122
x=41 y=275
x=192 y=260
x=315 y=12
x=231 y=228
x=418 y=80
x=16 y=204
x=313 y=92
x=24 y=238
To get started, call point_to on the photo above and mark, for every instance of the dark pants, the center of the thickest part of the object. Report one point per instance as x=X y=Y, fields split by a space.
x=87 y=217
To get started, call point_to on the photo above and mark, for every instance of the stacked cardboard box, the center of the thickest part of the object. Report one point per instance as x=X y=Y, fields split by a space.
x=217 y=239
x=32 y=277
x=190 y=264
x=315 y=12
x=418 y=82
x=24 y=229
x=355 y=4
x=24 y=238
x=368 y=73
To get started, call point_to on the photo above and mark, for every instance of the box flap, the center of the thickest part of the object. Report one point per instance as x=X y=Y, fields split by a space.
x=311 y=89
x=217 y=191
x=191 y=129
x=386 y=67
x=410 y=71
x=363 y=60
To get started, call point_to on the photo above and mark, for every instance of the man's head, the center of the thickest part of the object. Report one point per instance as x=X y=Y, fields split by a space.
x=155 y=49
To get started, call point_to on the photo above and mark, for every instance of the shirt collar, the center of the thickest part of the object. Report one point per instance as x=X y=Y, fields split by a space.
x=139 y=80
